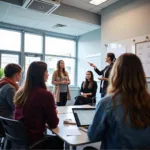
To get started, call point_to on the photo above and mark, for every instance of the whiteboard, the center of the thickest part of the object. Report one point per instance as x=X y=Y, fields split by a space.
x=117 y=51
x=95 y=59
x=130 y=45
x=142 y=50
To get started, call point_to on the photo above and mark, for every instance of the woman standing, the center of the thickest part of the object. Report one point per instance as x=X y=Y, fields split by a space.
x=34 y=106
x=122 y=119
x=105 y=73
x=61 y=81
x=88 y=90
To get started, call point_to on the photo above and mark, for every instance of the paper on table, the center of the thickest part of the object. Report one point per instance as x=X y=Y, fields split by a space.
x=72 y=132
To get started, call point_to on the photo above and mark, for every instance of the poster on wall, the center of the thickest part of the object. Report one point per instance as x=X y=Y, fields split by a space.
x=142 y=50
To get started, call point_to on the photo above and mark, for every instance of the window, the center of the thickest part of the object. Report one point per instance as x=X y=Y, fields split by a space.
x=33 y=43
x=58 y=46
x=69 y=66
x=10 y=40
x=29 y=60
x=31 y=49
x=8 y=58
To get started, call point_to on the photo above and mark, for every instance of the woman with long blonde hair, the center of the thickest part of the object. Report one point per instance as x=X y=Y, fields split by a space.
x=122 y=119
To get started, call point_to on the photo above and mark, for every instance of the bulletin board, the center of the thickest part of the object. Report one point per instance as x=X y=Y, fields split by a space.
x=97 y=61
x=142 y=50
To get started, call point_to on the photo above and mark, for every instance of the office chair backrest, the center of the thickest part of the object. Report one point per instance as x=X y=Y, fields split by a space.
x=14 y=131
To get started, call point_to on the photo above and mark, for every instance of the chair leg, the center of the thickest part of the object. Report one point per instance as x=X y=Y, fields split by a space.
x=2 y=141
x=7 y=144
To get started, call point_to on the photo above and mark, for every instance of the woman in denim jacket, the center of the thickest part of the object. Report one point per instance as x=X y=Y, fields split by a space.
x=122 y=119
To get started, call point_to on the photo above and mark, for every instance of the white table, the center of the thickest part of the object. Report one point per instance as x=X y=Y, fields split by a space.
x=68 y=109
x=65 y=112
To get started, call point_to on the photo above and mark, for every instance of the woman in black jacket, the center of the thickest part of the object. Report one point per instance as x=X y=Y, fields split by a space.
x=88 y=90
x=105 y=73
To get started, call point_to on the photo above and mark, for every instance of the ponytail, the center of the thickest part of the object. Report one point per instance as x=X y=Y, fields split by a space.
x=112 y=57
x=114 y=60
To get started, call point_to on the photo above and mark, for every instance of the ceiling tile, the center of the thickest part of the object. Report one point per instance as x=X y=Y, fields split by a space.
x=3 y=9
x=42 y=24
x=65 y=30
x=55 y=19
x=86 y=1
x=19 y=11
x=4 y=6
x=78 y=3
x=23 y=17
x=22 y=21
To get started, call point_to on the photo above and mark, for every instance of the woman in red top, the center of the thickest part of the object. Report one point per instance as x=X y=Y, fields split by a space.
x=34 y=106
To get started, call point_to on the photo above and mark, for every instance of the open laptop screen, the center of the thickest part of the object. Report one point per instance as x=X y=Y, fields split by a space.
x=83 y=116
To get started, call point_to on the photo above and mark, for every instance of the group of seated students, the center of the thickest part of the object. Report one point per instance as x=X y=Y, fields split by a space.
x=122 y=118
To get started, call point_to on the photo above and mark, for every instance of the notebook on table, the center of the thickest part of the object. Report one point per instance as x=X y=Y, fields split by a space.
x=83 y=117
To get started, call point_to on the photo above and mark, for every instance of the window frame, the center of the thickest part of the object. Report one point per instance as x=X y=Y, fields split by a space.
x=22 y=54
x=9 y=29
x=62 y=39
x=9 y=53
x=36 y=35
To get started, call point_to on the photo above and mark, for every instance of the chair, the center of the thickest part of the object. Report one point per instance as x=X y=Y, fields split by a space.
x=79 y=100
x=16 y=135
x=93 y=101
x=2 y=135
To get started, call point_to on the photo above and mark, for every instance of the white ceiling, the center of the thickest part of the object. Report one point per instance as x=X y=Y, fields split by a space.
x=84 y=4
x=18 y=16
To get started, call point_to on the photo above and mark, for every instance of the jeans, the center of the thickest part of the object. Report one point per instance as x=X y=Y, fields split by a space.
x=63 y=99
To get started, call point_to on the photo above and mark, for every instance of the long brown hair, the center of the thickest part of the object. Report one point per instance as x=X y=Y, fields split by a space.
x=58 y=69
x=35 y=78
x=128 y=78
x=91 y=81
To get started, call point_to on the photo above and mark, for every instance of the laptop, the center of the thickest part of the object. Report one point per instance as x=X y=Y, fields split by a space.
x=83 y=117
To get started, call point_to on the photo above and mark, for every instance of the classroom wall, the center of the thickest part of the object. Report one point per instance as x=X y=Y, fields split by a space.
x=88 y=45
x=123 y=20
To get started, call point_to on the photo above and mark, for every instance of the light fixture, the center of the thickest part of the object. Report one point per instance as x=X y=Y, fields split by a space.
x=97 y=2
